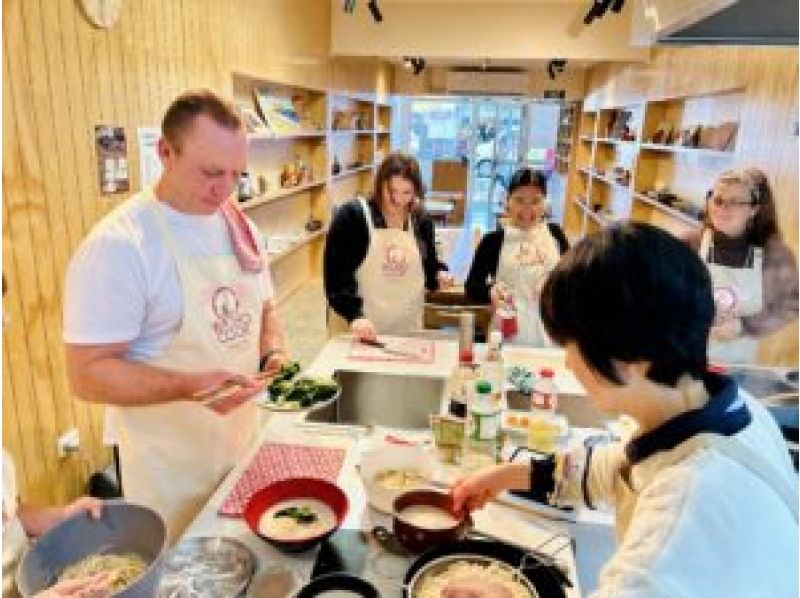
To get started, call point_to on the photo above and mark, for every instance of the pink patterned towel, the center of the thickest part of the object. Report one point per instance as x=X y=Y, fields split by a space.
x=275 y=461
x=244 y=243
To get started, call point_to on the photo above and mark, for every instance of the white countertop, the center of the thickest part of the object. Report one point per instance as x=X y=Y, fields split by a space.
x=335 y=356
x=275 y=567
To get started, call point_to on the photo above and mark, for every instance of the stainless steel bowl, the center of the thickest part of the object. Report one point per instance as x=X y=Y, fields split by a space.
x=207 y=567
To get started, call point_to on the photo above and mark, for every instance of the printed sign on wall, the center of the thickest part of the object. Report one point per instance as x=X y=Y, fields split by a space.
x=112 y=159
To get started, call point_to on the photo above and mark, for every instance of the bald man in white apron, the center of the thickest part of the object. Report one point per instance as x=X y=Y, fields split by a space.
x=172 y=456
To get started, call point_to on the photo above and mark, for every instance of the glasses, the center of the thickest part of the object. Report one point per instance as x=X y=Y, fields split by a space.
x=721 y=202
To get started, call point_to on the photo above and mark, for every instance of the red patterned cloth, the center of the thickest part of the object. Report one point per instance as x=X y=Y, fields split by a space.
x=244 y=243
x=276 y=461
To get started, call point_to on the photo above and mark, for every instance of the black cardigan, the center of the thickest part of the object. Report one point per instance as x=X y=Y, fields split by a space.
x=346 y=248
x=487 y=258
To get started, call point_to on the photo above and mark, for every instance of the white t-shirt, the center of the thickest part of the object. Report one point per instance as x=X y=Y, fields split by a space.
x=122 y=283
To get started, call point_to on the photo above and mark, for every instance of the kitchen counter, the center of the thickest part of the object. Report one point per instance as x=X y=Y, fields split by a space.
x=279 y=574
x=334 y=357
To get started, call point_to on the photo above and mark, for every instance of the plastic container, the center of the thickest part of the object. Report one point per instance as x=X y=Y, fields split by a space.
x=507 y=318
x=544 y=429
x=481 y=445
x=494 y=368
x=466 y=337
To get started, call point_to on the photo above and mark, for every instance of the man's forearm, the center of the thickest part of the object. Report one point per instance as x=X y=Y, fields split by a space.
x=271 y=329
x=118 y=381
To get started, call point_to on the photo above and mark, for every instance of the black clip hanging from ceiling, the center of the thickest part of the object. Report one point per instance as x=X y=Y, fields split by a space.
x=372 y=5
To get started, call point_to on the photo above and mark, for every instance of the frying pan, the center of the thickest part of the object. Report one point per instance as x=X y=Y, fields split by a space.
x=535 y=571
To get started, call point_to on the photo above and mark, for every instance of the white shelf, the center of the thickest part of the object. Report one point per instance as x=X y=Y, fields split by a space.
x=260 y=200
x=561 y=159
x=679 y=149
x=298 y=135
x=677 y=214
x=587 y=139
x=307 y=240
x=351 y=172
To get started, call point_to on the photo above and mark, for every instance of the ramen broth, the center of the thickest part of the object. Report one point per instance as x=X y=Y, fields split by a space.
x=297 y=519
x=428 y=517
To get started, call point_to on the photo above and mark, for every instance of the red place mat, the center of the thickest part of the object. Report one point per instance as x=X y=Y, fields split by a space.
x=276 y=461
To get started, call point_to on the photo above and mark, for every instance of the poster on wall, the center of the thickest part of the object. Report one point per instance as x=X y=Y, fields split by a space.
x=112 y=159
x=150 y=166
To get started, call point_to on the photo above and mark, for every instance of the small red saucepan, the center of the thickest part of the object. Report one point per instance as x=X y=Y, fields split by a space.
x=424 y=519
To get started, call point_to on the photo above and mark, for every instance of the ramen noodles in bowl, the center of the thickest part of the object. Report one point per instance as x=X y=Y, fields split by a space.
x=296 y=514
x=297 y=519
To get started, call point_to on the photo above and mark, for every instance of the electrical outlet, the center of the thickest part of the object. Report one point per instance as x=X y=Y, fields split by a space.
x=69 y=442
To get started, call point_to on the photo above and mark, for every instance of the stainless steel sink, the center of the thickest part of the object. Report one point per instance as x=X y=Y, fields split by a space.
x=392 y=400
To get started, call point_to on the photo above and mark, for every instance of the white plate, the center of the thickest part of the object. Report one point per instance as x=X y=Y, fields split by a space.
x=264 y=400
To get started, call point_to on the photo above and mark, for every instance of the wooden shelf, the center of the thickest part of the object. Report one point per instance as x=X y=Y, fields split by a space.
x=685 y=218
x=591 y=213
x=352 y=131
x=613 y=140
x=679 y=149
x=307 y=240
x=609 y=181
x=585 y=171
x=297 y=135
x=279 y=195
x=562 y=159
x=351 y=172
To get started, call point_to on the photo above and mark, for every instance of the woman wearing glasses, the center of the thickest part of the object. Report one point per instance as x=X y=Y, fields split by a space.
x=511 y=264
x=753 y=272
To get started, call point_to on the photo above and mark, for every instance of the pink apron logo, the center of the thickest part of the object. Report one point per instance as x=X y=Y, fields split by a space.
x=230 y=324
x=726 y=300
x=395 y=262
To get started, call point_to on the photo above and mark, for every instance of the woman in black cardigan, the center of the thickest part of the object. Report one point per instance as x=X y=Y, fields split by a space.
x=511 y=264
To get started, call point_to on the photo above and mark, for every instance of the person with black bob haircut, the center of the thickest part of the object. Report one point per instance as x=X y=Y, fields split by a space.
x=512 y=263
x=704 y=490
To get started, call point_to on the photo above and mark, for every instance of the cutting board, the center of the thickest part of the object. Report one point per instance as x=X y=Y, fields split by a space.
x=419 y=350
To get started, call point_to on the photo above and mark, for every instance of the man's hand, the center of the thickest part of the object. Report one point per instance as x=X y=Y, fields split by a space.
x=277 y=357
x=92 y=586
x=222 y=392
x=93 y=507
x=363 y=329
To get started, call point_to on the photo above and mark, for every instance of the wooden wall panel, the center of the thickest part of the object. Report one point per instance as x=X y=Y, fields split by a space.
x=767 y=134
x=61 y=77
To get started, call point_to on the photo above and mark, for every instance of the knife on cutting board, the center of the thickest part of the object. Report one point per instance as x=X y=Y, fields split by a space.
x=387 y=349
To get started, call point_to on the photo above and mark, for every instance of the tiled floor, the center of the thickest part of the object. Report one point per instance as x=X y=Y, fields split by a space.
x=303 y=316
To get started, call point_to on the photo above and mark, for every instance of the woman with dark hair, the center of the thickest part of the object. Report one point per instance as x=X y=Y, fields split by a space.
x=704 y=490
x=512 y=263
x=754 y=273
x=380 y=256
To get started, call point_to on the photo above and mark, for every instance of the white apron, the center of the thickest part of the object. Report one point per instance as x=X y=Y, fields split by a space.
x=391 y=281
x=174 y=455
x=526 y=259
x=15 y=541
x=737 y=293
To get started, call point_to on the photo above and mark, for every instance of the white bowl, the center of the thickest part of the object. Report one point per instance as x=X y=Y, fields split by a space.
x=377 y=460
